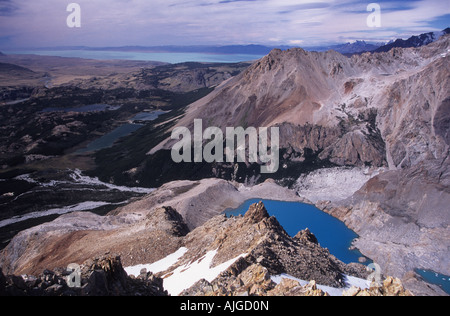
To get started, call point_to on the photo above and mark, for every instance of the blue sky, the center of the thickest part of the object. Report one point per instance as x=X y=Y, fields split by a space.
x=42 y=23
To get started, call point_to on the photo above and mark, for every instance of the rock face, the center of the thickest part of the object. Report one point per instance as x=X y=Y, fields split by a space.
x=402 y=218
x=254 y=280
x=373 y=109
x=250 y=250
x=98 y=277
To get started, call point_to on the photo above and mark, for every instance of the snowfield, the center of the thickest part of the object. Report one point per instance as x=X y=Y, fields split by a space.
x=187 y=275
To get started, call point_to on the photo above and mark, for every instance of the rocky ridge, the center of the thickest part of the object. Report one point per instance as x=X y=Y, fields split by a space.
x=135 y=231
x=270 y=251
x=103 y=276
x=265 y=242
x=387 y=109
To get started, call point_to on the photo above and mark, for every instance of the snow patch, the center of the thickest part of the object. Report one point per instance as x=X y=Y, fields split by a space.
x=186 y=275
x=159 y=266
x=79 y=178
x=332 y=291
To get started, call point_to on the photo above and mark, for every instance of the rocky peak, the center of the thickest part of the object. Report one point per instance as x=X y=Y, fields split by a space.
x=374 y=109
x=306 y=236
x=256 y=213
x=390 y=287
x=250 y=249
x=168 y=219
x=261 y=240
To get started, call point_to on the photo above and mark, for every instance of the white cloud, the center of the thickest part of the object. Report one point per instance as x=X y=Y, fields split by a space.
x=187 y=22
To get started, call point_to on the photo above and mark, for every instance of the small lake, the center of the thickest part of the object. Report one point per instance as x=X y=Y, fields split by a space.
x=294 y=217
x=443 y=281
x=109 y=139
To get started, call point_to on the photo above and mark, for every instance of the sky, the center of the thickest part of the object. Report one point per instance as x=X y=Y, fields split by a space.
x=113 y=23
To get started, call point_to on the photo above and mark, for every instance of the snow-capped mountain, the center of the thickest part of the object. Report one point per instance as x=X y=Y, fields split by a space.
x=414 y=41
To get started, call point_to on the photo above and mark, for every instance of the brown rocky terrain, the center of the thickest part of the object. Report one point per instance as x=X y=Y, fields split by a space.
x=141 y=232
x=264 y=242
x=103 y=276
x=373 y=109
x=376 y=110
x=54 y=71
x=269 y=251
x=384 y=109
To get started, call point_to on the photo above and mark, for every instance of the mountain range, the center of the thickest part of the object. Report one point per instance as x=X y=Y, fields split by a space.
x=381 y=117
x=387 y=110
x=414 y=41
x=349 y=48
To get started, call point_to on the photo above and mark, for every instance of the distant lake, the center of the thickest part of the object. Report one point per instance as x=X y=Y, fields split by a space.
x=172 y=58
x=109 y=139
x=294 y=217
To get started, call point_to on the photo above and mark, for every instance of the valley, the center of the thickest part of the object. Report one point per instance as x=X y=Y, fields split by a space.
x=364 y=138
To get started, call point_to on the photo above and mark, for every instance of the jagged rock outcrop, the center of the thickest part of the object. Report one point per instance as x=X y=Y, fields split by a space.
x=97 y=277
x=390 y=287
x=263 y=249
x=255 y=280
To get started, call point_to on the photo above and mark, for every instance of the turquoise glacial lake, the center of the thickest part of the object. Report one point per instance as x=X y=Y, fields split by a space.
x=441 y=280
x=294 y=217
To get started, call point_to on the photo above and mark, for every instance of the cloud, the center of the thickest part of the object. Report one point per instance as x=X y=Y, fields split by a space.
x=191 y=22
x=7 y=7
